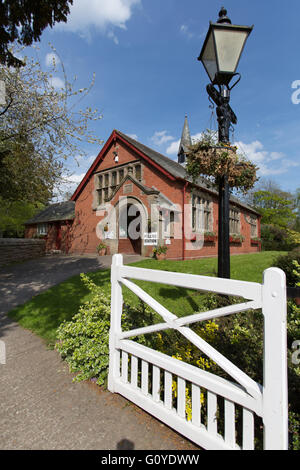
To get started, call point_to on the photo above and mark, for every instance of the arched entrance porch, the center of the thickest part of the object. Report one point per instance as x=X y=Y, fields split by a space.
x=131 y=225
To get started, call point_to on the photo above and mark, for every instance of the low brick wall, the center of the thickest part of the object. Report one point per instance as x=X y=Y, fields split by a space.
x=20 y=249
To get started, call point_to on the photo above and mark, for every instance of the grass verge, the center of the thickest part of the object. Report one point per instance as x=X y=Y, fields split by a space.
x=46 y=311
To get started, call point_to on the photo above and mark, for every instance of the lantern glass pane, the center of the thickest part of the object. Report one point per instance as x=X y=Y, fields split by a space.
x=209 y=58
x=229 y=44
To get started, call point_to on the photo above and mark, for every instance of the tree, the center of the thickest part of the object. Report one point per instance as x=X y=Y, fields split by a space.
x=13 y=214
x=276 y=208
x=297 y=204
x=40 y=127
x=23 y=21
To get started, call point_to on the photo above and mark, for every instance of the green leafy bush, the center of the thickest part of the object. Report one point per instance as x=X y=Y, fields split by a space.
x=84 y=341
x=276 y=238
x=286 y=263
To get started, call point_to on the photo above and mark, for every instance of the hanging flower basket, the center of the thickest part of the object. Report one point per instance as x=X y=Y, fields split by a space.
x=216 y=161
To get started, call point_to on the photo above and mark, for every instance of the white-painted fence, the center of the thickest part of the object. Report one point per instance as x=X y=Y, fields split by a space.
x=145 y=376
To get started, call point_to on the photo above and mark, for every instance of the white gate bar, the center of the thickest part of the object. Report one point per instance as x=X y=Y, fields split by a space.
x=212 y=423
x=156 y=383
x=247 y=290
x=165 y=314
x=197 y=317
x=145 y=377
x=144 y=330
x=248 y=430
x=124 y=367
x=243 y=379
x=196 y=405
x=229 y=417
x=194 y=375
x=115 y=322
x=181 y=397
x=275 y=396
x=217 y=313
x=134 y=371
x=168 y=390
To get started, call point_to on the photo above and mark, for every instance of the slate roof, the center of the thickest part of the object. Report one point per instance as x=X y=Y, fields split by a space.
x=54 y=213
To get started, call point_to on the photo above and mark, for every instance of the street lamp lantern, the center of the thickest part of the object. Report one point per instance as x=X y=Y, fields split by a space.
x=220 y=55
x=223 y=48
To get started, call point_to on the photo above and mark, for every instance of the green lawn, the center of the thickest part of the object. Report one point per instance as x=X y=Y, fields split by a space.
x=44 y=313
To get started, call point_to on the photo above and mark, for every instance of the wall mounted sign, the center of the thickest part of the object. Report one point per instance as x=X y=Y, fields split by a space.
x=150 y=239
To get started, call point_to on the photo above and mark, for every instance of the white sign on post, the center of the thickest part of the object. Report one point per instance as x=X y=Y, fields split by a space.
x=150 y=239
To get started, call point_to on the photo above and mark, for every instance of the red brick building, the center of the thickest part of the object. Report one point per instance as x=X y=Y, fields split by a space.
x=132 y=193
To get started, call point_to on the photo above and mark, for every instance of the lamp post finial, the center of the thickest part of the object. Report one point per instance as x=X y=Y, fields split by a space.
x=223 y=18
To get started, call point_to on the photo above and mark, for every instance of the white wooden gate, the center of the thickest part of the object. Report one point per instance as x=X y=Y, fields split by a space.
x=267 y=402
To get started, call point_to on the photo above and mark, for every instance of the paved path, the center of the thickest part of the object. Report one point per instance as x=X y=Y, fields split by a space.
x=40 y=407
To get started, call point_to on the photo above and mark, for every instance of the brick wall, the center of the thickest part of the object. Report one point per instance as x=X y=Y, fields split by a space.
x=83 y=236
x=20 y=249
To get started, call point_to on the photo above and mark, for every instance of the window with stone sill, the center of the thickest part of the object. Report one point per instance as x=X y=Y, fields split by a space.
x=234 y=222
x=121 y=175
x=201 y=214
x=105 y=195
x=253 y=226
x=107 y=182
x=138 y=172
x=168 y=224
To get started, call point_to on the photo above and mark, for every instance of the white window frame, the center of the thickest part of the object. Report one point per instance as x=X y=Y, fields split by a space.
x=42 y=229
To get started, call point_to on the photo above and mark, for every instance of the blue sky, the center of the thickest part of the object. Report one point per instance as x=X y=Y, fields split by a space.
x=144 y=54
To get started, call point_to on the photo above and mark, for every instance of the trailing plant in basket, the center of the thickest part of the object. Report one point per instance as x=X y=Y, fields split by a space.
x=215 y=161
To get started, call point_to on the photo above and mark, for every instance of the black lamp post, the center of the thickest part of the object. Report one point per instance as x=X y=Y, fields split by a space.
x=220 y=56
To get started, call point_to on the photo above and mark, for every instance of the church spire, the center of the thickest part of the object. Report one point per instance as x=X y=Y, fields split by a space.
x=185 y=142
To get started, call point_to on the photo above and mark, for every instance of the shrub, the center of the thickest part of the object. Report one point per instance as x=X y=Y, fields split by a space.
x=277 y=238
x=286 y=263
x=160 y=249
x=84 y=341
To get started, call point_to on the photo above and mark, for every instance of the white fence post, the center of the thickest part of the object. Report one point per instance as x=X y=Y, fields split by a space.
x=275 y=389
x=115 y=322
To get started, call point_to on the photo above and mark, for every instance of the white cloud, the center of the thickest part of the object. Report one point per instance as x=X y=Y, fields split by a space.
x=57 y=83
x=52 y=59
x=173 y=148
x=101 y=15
x=133 y=136
x=160 y=138
x=265 y=159
x=184 y=29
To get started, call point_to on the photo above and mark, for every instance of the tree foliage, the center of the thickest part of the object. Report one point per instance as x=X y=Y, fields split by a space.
x=13 y=214
x=23 y=21
x=275 y=207
x=40 y=127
